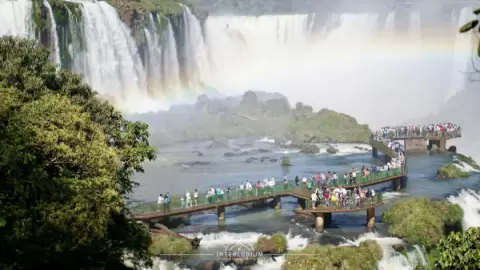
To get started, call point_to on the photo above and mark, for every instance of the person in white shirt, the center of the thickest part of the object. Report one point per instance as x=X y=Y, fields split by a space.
x=188 y=199
x=314 y=200
x=195 y=197
x=304 y=179
x=160 y=199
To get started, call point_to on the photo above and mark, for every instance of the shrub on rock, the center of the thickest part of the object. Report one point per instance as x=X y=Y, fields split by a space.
x=165 y=245
x=451 y=171
x=332 y=150
x=363 y=257
x=286 y=162
x=275 y=244
x=421 y=221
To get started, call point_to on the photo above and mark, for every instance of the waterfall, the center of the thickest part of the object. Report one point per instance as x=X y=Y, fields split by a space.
x=171 y=68
x=15 y=18
x=75 y=48
x=197 y=67
x=54 y=37
x=462 y=53
x=153 y=59
x=114 y=65
x=415 y=29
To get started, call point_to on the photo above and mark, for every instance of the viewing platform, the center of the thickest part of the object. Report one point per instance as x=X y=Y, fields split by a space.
x=413 y=141
x=323 y=214
x=151 y=210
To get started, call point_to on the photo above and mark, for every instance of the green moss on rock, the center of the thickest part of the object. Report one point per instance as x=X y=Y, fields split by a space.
x=469 y=160
x=363 y=257
x=451 y=171
x=422 y=221
x=309 y=148
x=285 y=162
x=164 y=246
x=332 y=150
x=275 y=244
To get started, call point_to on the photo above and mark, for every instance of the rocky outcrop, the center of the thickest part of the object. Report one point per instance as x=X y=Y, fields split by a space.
x=332 y=150
x=451 y=171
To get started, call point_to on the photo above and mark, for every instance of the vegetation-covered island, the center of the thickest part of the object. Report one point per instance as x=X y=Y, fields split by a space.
x=255 y=114
x=458 y=168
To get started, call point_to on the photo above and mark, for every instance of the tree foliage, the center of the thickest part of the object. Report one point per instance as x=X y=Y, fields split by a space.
x=66 y=161
x=460 y=250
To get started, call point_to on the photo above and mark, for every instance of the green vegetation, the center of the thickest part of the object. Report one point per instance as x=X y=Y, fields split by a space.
x=66 y=161
x=275 y=244
x=460 y=250
x=422 y=221
x=451 y=171
x=469 y=160
x=164 y=246
x=332 y=150
x=329 y=126
x=251 y=115
x=364 y=257
x=286 y=162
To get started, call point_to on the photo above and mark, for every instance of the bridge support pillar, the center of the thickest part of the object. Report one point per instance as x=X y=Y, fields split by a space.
x=397 y=184
x=221 y=212
x=319 y=222
x=277 y=202
x=371 y=218
x=301 y=203
x=374 y=152
x=327 y=218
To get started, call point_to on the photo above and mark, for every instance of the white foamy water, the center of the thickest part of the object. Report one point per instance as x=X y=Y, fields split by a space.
x=392 y=260
x=266 y=140
x=54 y=37
x=463 y=165
x=16 y=18
x=469 y=201
x=287 y=151
x=351 y=148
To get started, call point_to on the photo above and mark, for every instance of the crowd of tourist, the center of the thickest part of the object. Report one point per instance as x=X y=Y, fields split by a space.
x=442 y=129
x=385 y=134
x=326 y=188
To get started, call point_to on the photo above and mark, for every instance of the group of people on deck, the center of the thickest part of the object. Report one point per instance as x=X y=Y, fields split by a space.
x=339 y=196
x=417 y=130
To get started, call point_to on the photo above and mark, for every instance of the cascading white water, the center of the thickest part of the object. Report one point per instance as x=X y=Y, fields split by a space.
x=171 y=69
x=54 y=37
x=15 y=18
x=114 y=65
x=469 y=201
x=196 y=68
x=415 y=28
x=462 y=55
x=153 y=58
x=79 y=60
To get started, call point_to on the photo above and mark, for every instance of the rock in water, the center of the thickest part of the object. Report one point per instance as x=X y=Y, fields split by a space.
x=209 y=265
x=452 y=149
x=332 y=150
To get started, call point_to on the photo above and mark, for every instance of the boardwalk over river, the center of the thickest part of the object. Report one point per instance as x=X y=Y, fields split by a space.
x=151 y=211
x=412 y=141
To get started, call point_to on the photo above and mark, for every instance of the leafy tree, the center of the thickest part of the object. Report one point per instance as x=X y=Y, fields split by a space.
x=460 y=250
x=66 y=161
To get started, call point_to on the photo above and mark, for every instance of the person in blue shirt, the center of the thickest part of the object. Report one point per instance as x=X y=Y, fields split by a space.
x=168 y=198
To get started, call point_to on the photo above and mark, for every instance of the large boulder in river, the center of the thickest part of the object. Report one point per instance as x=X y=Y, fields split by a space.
x=423 y=221
x=332 y=150
x=309 y=148
x=276 y=244
x=250 y=105
x=209 y=265
x=452 y=149
x=451 y=171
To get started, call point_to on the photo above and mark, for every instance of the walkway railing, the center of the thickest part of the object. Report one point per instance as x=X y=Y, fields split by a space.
x=351 y=203
x=240 y=196
x=416 y=134
x=382 y=148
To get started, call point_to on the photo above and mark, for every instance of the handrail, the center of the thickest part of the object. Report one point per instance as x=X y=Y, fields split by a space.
x=240 y=196
x=413 y=134
x=382 y=148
